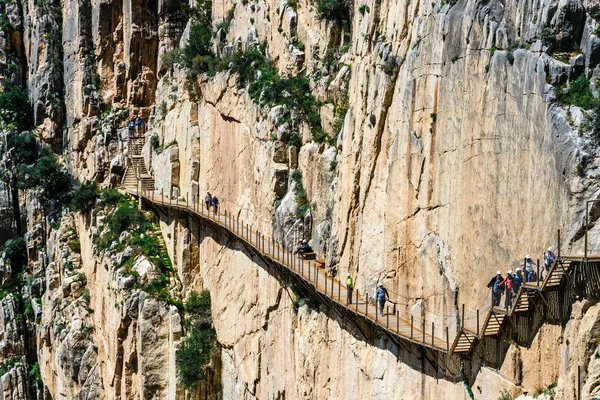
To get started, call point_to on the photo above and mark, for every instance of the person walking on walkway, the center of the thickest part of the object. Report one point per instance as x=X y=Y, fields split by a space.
x=139 y=122
x=549 y=258
x=381 y=295
x=494 y=284
x=529 y=273
x=131 y=127
x=350 y=286
x=215 y=204
x=208 y=201
x=508 y=286
x=517 y=280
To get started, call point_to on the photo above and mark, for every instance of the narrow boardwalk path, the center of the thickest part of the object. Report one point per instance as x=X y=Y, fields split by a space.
x=140 y=184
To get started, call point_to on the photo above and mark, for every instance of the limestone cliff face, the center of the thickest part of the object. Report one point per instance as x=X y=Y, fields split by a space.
x=450 y=157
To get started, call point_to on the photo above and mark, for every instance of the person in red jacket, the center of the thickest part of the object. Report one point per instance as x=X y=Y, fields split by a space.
x=508 y=285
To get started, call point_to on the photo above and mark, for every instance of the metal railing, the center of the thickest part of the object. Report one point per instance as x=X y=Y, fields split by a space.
x=420 y=333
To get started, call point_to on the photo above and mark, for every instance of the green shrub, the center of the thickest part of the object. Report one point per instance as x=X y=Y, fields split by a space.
x=320 y=136
x=197 y=305
x=155 y=142
x=126 y=217
x=35 y=375
x=194 y=354
x=301 y=198
x=8 y=364
x=334 y=10
x=84 y=198
x=390 y=65
x=505 y=395
x=578 y=93
x=75 y=245
x=48 y=175
x=15 y=251
x=158 y=288
x=111 y=197
x=15 y=108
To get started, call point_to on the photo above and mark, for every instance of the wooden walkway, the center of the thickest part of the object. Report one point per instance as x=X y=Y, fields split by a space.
x=313 y=274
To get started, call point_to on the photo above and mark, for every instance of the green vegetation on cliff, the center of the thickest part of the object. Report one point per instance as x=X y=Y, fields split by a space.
x=142 y=236
x=199 y=345
x=255 y=72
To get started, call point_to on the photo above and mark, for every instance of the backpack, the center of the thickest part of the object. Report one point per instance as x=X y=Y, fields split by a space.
x=215 y=201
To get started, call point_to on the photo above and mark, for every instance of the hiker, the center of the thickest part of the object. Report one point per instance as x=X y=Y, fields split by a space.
x=215 y=204
x=131 y=126
x=138 y=124
x=529 y=273
x=208 y=201
x=497 y=289
x=350 y=286
x=299 y=246
x=508 y=286
x=517 y=280
x=549 y=258
x=381 y=295
x=305 y=248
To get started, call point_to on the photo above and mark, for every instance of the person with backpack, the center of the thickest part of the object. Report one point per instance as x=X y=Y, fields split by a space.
x=549 y=258
x=517 y=281
x=508 y=286
x=131 y=127
x=497 y=289
x=350 y=286
x=381 y=295
x=208 y=201
x=215 y=204
x=139 y=122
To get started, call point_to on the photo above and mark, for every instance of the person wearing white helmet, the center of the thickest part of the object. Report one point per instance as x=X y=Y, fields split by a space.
x=528 y=265
x=497 y=289
x=381 y=295
x=507 y=282
x=549 y=258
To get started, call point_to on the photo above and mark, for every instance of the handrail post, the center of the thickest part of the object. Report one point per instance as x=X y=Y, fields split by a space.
x=367 y=305
x=316 y=276
x=447 y=341
x=397 y=314
x=340 y=290
x=411 y=326
x=423 y=330
x=387 y=317
x=537 y=283
x=587 y=204
x=356 y=302
x=325 y=284
x=433 y=333
x=462 y=321
x=477 y=322
x=376 y=308
x=559 y=243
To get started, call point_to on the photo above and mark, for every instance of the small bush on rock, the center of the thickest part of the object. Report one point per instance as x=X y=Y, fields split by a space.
x=85 y=197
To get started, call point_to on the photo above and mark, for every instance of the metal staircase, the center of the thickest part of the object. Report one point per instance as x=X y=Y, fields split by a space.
x=136 y=170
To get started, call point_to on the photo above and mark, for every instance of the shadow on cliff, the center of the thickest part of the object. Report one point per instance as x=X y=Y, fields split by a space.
x=552 y=308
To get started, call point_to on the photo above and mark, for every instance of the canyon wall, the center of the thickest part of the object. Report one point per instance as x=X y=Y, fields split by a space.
x=445 y=151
